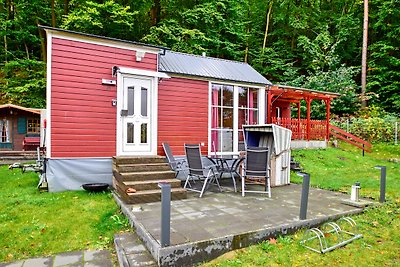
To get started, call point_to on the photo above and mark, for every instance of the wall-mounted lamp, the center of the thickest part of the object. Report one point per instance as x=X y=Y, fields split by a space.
x=140 y=55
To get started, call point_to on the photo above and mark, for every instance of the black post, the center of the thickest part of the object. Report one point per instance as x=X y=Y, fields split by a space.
x=304 y=194
x=383 y=183
x=363 y=150
x=165 y=213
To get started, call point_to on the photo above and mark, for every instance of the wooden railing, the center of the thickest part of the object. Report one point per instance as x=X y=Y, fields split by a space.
x=318 y=131
x=299 y=128
x=349 y=138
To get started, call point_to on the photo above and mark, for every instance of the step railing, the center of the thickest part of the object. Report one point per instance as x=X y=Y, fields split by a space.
x=349 y=138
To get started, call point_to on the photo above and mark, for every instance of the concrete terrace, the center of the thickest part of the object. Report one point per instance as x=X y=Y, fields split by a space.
x=204 y=228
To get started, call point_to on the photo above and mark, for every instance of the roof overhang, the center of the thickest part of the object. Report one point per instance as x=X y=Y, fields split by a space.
x=31 y=110
x=88 y=36
x=295 y=94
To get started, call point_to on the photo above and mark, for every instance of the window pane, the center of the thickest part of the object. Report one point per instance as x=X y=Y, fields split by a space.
x=254 y=94
x=226 y=141
x=227 y=96
x=242 y=97
x=130 y=130
x=144 y=102
x=131 y=100
x=242 y=118
x=143 y=133
x=227 y=118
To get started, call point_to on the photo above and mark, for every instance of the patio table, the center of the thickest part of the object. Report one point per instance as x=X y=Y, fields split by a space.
x=227 y=164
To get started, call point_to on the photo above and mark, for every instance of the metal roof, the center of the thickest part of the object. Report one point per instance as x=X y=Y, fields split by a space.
x=208 y=67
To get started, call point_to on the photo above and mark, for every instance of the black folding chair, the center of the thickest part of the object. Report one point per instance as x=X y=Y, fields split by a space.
x=197 y=172
x=256 y=170
x=176 y=165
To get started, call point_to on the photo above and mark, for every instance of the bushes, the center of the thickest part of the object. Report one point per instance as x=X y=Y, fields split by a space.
x=372 y=124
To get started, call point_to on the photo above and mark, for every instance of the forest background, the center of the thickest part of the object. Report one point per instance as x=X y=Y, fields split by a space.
x=314 y=44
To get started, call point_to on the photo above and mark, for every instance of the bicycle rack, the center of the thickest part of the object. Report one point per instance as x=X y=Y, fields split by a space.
x=330 y=235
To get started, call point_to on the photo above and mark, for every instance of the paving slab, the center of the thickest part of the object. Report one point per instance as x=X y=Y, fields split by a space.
x=98 y=258
x=204 y=228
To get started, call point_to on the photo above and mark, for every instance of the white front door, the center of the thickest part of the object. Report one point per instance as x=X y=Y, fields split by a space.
x=135 y=114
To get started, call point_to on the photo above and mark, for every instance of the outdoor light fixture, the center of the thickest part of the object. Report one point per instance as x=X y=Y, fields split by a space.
x=139 y=55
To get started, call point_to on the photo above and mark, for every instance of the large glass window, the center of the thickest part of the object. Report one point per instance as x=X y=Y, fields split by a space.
x=222 y=118
x=231 y=107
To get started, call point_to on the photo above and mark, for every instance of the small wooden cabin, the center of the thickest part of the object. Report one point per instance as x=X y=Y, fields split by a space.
x=108 y=97
x=19 y=128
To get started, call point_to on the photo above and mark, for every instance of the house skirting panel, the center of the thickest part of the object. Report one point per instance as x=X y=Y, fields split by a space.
x=70 y=174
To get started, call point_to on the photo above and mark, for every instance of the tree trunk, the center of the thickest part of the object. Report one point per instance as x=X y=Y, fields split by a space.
x=267 y=25
x=66 y=5
x=53 y=14
x=364 y=56
x=155 y=12
x=42 y=38
x=26 y=50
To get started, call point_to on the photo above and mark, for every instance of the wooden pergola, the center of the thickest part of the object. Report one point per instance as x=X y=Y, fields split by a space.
x=283 y=93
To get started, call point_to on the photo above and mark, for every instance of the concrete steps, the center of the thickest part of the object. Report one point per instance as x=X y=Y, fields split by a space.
x=136 y=179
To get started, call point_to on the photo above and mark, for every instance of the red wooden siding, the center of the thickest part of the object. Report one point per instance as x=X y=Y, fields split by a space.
x=83 y=121
x=182 y=114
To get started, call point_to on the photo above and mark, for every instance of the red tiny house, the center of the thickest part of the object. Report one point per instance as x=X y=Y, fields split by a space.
x=109 y=97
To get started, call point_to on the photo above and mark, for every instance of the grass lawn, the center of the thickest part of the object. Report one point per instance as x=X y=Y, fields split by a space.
x=36 y=224
x=338 y=169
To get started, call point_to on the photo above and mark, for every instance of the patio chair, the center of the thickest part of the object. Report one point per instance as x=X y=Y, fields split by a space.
x=256 y=169
x=197 y=172
x=176 y=165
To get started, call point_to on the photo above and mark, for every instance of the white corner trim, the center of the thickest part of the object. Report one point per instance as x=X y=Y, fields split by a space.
x=148 y=73
x=48 y=94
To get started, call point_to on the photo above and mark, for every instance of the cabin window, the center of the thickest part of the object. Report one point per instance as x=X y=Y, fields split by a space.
x=33 y=126
x=4 y=131
x=231 y=107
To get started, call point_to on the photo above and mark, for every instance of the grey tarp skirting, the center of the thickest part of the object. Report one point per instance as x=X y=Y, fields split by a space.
x=70 y=174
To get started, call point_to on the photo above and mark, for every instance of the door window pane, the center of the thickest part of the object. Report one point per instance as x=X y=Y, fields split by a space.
x=130 y=133
x=143 y=133
x=131 y=100
x=144 y=102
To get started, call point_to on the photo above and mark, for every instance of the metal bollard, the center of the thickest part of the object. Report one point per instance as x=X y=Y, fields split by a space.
x=383 y=183
x=165 y=213
x=304 y=194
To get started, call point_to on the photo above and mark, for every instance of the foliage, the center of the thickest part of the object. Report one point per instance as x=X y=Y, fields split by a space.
x=314 y=44
x=24 y=83
x=384 y=63
x=106 y=19
x=36 y=224
x=338 y=169
x=372 y=123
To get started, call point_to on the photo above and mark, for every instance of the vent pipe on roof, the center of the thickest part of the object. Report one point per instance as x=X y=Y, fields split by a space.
x=203 y=54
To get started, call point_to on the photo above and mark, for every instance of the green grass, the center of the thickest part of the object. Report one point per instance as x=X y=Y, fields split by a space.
x=37 y=224
x=338 y=169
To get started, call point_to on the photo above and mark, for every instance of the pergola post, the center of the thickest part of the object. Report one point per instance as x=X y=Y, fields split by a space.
x=298 y=120
x=328 y=114
x=308 y=100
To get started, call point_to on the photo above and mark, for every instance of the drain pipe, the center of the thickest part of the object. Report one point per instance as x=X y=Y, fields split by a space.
x=383 y=183
x=304 y=194
x=165 y=213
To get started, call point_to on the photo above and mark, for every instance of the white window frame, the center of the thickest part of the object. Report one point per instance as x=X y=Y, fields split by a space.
x=261 y=111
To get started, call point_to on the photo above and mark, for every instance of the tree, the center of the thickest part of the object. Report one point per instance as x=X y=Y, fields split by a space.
x=107 y=19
